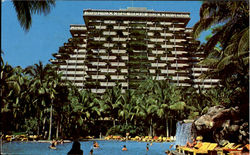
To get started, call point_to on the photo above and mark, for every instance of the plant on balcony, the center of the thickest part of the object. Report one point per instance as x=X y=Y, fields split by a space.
x=119 y=21
x=95 y=44
x=165 y=28
x=94 y=33
x=136 y=33
x=118 y=44
x=119 y=33
x=157 y=34
x=109 y=27
x=109 y=39
x=108 y=77
x=137 y=45
x=157 y=45
x=137 y=25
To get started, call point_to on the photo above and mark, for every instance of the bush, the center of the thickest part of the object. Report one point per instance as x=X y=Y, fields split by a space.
x=123 y=129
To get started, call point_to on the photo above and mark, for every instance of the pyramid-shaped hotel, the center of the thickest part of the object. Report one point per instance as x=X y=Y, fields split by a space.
x=127 y=46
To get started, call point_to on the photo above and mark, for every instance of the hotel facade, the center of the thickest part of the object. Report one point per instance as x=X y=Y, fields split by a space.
x=127 y=46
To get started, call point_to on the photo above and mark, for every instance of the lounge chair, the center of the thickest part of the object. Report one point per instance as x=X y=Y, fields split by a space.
x=185 y=148
x=203 y=149
x=232 y=149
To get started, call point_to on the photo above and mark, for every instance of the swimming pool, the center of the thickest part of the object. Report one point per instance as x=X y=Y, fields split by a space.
x=106 y=148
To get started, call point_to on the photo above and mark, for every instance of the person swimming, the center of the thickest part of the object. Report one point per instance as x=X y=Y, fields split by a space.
x=147 y=148
x=95 y=144
x=168 y=152
x=91 y=152
x=61 y=141
x=53 y=145
x=124 y=148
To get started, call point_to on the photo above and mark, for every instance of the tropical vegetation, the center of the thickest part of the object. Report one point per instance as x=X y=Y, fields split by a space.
x=37 y=100
x=227 y=49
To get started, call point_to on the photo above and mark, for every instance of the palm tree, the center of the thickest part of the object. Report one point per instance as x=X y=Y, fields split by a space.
x=10 y=90
x=25 y=9
x=231 y=60
x=42 y=87
x=144 y=110
x=127 y=110
x=110 y=103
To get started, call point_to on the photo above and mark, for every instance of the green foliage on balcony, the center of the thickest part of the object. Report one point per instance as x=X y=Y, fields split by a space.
x=109 y=38
x=95 y=33
x=136 y=25
x=118 y=44
x=138 y=33
x=157 y=34
x=91 y=57
x=139 y=57
x=119 y=33
x=129 y=50
x=157 y=45
x=108 y=51
x=108 y=77
x=95 y=44
x=119 y=21
x=89 y=84
x=76 y=40
x=64 y=56
x=165 y=28
x=137 y=45
x=66 y=50
x=109 y=27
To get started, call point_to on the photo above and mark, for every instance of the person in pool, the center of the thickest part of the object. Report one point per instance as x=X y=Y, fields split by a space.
x=61 y=141
x=147 y=147
x=124 y=148
x=76 y=149
x=91 y=152
x=52 y=146
x=95 y=144
x=168 y=152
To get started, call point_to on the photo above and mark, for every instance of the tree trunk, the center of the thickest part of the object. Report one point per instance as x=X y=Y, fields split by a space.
x=150 y=128
x=60 y=129
x=50 y=122
x=171 y=127
x=43 y=131
x=57 y=128
x=153 y=131
x=126 y=122
x=38 y=129
x=114 y=122
x=17 y=127
x=167 y=128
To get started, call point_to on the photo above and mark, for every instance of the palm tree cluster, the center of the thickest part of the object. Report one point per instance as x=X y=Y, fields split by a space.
x=36 y=99
x=227 y=48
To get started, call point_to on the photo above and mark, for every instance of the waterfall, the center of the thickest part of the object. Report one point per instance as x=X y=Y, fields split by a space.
x=183 y=133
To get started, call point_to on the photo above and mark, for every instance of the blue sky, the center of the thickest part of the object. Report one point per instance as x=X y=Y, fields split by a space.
x=49 y=32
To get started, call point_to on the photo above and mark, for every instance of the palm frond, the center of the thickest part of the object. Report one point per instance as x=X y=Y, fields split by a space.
x=243 y=46
x=25 y=9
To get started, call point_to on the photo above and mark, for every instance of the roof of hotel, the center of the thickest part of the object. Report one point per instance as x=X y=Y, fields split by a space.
x=136 y=9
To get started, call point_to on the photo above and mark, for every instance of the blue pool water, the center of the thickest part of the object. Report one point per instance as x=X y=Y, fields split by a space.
x=106 y=148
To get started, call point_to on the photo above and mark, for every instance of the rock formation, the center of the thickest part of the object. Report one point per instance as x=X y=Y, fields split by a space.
x=220 y=124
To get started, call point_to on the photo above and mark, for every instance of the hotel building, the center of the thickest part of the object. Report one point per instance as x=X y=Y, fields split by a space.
x=127 y=46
